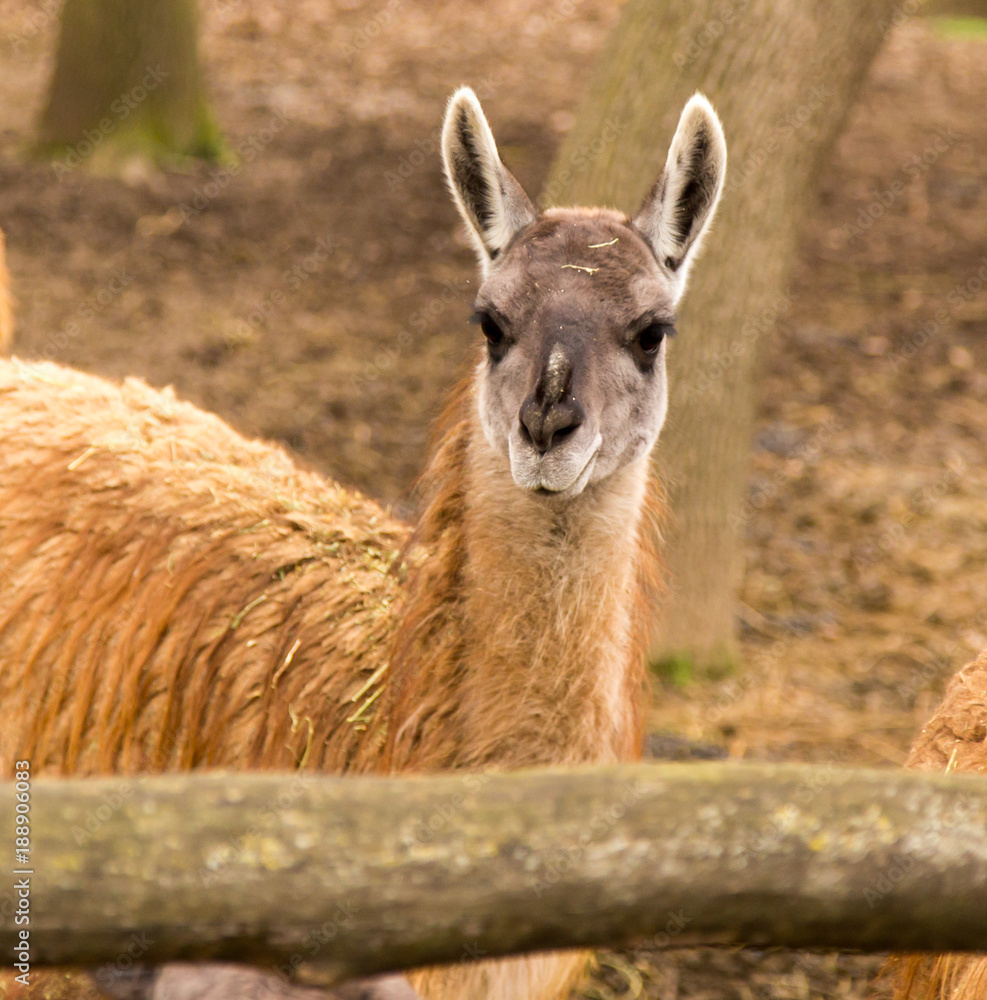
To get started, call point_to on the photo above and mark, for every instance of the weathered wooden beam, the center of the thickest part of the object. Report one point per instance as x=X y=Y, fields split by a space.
x=326 y=879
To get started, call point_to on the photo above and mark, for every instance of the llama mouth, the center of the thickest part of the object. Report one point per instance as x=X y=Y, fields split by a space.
x=575 y=487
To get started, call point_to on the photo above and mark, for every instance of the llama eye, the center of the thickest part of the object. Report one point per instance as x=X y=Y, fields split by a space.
x=497 y=342
x=491 y=331
x=645 y=345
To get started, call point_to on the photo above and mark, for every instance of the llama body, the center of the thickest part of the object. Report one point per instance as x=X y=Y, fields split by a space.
x=954 y=739
x=175 y=596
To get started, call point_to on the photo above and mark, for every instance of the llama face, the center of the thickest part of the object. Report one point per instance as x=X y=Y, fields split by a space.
x=576 y=305
x=576 y=316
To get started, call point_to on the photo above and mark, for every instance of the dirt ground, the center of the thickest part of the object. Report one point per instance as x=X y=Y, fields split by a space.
x=319 y=297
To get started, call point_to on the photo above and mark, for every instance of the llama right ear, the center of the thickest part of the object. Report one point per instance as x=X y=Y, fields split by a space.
x=677 y=213
x=488 y=197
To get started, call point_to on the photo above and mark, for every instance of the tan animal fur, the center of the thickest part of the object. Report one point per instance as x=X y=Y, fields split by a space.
x=174 y=596
x=954 y=739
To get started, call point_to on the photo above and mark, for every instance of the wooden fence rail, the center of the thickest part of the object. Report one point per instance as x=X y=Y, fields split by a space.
x=328 y=878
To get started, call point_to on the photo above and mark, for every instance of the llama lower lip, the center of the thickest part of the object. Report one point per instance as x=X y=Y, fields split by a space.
x=575 y=487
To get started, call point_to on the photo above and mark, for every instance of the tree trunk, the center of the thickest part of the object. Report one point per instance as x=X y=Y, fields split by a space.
x=323 y=879
x=127 y=82
x=6 y=303
x=949 y=8
x=782 y=76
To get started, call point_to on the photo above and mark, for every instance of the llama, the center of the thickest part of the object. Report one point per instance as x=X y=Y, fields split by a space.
x=954 y=739
x=178 y=597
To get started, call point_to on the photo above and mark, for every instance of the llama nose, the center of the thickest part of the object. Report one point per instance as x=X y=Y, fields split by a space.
x=548 y=423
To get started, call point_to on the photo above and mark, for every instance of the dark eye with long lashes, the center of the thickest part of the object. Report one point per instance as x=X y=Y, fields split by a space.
x=645 y=344
x=497 y=342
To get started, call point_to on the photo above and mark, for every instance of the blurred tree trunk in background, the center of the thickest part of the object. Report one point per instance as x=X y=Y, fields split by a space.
x=127 y=82
x=957 y=8
x=6 y=304
x=783 y=75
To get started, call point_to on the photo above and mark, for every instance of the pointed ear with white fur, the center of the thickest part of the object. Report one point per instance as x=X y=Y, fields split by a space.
x=677 y=213
x=488 y=197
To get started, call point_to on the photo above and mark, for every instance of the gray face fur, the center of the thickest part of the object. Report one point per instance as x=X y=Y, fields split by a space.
x=577 y=304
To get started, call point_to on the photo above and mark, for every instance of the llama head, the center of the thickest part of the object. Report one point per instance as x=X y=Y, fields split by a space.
x=576 y=304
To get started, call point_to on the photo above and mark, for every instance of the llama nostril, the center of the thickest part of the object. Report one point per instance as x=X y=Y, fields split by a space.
x=525 y=432
x=562 y=419
x=563 y=432
x=546 y=426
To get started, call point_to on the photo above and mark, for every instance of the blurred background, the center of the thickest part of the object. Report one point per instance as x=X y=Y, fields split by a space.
x=246 y=201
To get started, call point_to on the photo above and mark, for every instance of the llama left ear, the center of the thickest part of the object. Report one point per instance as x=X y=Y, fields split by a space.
x=488 y=197
x=677 y=213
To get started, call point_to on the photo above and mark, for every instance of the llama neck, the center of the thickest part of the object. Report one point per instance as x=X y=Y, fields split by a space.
x=550 y=618
x=525 y=627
